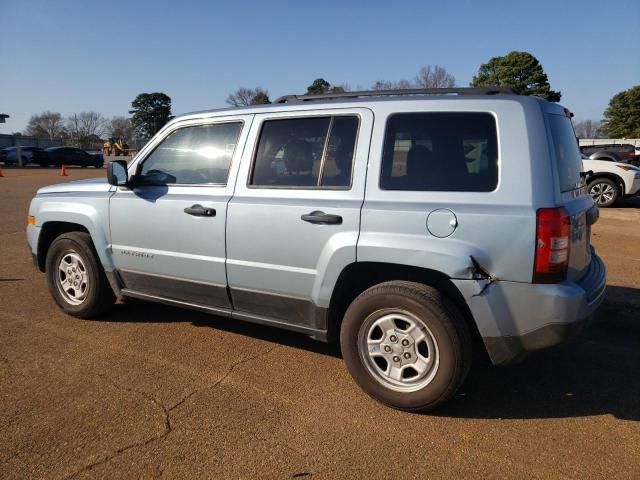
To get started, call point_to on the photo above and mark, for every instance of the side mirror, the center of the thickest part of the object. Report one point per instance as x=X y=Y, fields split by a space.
x=117 y=173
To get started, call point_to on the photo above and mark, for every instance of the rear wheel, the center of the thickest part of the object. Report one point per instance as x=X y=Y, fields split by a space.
x=406 y=345
x=604 y=191
x=75 y=277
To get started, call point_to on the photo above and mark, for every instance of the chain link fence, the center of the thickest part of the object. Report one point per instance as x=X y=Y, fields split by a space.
x=26 y=141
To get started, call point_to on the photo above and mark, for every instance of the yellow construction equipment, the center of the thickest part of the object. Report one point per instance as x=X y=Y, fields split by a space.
x=114 y=147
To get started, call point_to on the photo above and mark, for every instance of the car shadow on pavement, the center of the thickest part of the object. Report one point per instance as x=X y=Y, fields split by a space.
x=597 y=373
x=633 y=202
x=137 y=311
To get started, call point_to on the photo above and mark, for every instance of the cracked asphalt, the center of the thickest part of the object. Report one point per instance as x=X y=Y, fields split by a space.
x=151 y=391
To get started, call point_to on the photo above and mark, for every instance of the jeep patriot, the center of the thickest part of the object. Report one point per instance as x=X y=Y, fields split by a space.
x=412 y=226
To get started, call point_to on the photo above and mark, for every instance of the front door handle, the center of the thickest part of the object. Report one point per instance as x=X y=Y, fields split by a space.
x=320 y=217
x=200 y=211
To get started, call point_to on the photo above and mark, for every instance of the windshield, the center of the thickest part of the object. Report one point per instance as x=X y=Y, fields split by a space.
x=568 y=158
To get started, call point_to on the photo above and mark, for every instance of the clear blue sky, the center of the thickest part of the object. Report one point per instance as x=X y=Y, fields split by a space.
x=72 y=56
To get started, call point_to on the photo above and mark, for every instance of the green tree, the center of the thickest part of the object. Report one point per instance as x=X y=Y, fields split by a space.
x=248 y=96
x=318 y=87
x=321 y=86
x=519 y=70
x=622 y=116
x=150 y=111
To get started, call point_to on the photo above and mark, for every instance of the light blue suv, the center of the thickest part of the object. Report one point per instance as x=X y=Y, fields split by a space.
x=405 y=223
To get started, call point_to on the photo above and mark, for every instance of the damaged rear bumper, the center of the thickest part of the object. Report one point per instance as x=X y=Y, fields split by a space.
x=516 y=318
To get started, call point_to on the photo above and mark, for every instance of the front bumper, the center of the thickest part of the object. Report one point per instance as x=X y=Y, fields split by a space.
x=33 y=235
x=516 y=318
x=635 y=187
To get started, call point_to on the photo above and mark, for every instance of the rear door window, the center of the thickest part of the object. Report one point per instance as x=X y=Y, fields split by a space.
x=314 y=152
x=568 y=160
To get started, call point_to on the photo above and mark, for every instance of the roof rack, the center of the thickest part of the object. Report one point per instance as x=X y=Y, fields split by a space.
x=407 y=91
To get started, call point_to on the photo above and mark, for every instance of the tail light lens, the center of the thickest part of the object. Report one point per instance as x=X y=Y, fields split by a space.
x=553 y=227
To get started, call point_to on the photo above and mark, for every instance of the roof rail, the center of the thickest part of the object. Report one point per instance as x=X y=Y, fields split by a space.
x=407 y=91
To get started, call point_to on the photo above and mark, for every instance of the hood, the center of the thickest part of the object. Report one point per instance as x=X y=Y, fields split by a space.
x=87 y=185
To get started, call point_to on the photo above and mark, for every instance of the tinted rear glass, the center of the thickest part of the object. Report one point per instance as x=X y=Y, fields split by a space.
x=306 y=152
x=440 y=152
x=568 y=159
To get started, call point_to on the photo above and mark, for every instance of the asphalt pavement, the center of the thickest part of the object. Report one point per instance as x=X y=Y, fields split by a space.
x=151 y=391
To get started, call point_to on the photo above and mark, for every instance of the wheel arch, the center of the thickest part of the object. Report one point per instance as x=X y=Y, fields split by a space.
x=611 y=176
x=50 y=231
x=357 y=277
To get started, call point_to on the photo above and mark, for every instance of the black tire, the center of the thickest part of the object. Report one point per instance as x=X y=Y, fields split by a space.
x=98 y=296
x=604 y=191
x=99 y=165
x=443 y=321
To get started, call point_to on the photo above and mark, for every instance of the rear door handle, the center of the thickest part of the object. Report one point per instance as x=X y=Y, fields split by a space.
x=320 y=217
x=200 y=211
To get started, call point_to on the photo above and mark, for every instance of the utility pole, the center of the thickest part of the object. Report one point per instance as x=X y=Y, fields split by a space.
x=16 y=140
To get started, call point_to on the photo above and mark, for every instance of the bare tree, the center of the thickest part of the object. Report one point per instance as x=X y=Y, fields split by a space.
x=121 y=127
x=382 y=85
x=248 y=96
x=402 y=84
x=85 y=127
x=588 y=129
x=428 y=77
x=47 y=124
x=434 y=77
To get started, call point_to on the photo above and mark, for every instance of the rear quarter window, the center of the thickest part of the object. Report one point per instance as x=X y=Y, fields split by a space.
x=438 y=151
x=567 y=154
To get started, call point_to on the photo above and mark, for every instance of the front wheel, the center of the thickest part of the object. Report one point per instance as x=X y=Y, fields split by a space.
x=604 y=191
x=75 y=277
x=406 y=345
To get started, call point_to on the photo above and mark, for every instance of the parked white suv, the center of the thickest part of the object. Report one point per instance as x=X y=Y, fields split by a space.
x=609 y=182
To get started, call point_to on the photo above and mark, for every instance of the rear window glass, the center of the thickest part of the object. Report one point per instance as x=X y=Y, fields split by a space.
x=440 y=152
x=567 y=153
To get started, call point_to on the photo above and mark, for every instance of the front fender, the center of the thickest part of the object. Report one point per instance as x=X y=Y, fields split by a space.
x=92 y=213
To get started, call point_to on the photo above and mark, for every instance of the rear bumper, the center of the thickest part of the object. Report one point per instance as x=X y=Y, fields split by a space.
x=516 y=318
x=507 y=350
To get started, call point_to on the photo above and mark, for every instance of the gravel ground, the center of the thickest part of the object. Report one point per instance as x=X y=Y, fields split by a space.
x=152 y=391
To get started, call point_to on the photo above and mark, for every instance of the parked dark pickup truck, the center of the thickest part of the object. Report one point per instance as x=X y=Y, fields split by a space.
x=614 y=152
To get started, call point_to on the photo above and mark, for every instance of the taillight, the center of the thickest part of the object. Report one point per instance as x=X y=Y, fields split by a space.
x=553 y=226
